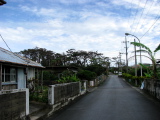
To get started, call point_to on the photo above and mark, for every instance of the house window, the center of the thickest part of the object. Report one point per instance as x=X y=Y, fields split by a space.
x=9 y=74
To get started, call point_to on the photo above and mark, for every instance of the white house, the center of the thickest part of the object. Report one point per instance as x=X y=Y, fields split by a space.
x=15 y=70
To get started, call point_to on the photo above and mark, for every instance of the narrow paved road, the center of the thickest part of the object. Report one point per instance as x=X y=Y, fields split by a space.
x=114 y=100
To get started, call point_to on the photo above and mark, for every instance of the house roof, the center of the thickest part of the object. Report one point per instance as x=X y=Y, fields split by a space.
x=13 y=58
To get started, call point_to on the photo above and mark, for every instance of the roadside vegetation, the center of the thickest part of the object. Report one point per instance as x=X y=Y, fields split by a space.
x=88 y=64
x=149 y=72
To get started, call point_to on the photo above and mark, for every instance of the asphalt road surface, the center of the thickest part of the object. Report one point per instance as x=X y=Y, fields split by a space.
x=114 y=100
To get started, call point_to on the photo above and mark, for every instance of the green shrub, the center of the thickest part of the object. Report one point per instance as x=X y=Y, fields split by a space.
x=96 y=69
x=68 y=78
x=86 y=75
x=127 y=76
x=39 y=96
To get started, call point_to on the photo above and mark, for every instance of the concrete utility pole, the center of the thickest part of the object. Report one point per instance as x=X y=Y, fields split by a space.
x=2 y=2
x=135 y=59
x=120 y=62
x=126 y=53
x=140 y=48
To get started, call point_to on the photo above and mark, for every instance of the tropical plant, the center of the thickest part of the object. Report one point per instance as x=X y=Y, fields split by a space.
x=86 y=75
x=151 y=55
x=148 y=73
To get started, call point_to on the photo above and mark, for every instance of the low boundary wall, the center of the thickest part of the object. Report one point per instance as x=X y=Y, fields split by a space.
x=100 y=79
x=152 y=87
x=14 y=104
x=60 y=95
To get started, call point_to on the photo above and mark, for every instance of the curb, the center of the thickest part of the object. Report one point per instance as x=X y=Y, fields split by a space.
x=91 y=90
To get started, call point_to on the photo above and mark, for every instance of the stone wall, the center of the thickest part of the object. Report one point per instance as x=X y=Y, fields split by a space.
x=152 y=87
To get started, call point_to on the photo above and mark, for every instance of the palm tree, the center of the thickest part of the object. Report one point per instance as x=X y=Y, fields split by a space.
x=151 y=55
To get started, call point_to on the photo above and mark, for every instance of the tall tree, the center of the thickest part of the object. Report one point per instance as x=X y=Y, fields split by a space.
x=40 y=55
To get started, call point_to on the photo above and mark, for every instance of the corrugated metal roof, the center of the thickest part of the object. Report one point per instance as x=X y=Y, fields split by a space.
x=10 y=57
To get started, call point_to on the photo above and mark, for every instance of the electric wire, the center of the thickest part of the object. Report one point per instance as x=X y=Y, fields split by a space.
x=130 y=15
x=148 y=12
x=156 y=20
x=140 y=16
x=25 y=59
x=150 y=28
x=135 y=16
x=5 y=43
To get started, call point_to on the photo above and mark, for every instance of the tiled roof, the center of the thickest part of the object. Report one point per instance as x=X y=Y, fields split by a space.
x=10 y=57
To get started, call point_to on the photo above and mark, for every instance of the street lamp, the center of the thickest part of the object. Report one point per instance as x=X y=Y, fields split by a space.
x=140 y=48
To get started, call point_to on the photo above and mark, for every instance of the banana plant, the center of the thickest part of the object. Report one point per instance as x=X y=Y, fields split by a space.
x=151 y=55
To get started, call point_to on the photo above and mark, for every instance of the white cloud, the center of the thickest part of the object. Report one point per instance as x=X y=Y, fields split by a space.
x=94 y=27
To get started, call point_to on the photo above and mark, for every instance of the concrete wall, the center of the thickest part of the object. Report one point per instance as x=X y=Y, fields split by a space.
x=60 y=95
x=62 y=92
x=100 y=79
x=14 y=104
x=152 y=87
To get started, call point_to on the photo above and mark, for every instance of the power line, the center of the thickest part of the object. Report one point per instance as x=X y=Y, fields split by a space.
x=140 y=16
x=148 y=10
x=157 y=18
x=130 y=13
x=13 y=52
x=150 y=27
x=6 y=43
x=135 y=16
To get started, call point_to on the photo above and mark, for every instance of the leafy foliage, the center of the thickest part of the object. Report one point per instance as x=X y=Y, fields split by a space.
x=72 y=57
x=86 y=75
x=149 y=72
x=157 y=49
x=39 y=96
x=141 y=45
x=151 y=56
x=68 y=76
x=132 y=79
x=96 y=68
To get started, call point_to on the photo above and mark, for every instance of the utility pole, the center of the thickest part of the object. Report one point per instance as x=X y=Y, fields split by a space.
x=135 y=60
x=126 y=53
x=120 y=62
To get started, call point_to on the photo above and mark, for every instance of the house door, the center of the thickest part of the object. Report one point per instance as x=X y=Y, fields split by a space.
x=21 y=79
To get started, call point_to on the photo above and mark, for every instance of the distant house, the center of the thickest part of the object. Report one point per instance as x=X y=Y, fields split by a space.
x=15 y=70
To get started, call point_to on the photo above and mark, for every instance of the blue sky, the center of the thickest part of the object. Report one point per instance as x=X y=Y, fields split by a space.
x=91 y=25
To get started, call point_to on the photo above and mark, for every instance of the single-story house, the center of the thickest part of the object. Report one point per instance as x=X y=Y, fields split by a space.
x=16 y=70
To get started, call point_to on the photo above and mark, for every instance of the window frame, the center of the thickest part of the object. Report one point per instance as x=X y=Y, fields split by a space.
x=10 y=72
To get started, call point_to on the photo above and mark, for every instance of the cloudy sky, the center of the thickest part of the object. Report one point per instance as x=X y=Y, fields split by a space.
x=91 y=25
